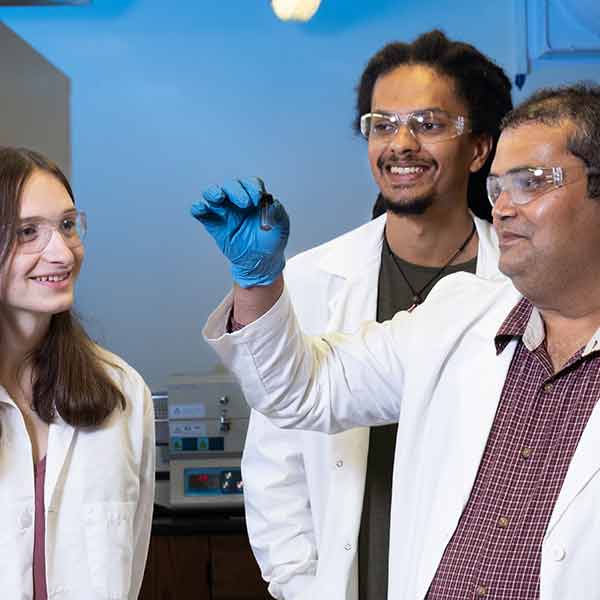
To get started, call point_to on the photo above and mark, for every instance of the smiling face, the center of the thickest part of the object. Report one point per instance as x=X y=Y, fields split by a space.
x=41 y=284
x=550 y=246
x=413 y=175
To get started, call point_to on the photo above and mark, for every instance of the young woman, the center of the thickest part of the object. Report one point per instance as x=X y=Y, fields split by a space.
x=76 y=422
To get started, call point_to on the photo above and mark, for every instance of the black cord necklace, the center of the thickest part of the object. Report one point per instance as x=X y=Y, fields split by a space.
x=416 y=294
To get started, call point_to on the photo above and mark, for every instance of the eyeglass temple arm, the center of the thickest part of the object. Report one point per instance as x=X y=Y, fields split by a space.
x=557 y=176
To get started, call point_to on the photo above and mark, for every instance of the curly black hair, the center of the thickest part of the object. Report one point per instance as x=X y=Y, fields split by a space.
x=480 y=83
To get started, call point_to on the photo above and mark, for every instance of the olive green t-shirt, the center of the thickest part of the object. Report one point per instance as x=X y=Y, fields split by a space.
x=393 y=294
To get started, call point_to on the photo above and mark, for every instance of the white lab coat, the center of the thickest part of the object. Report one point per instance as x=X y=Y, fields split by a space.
x=304 y=490
x=436 y=372
x=99 y=493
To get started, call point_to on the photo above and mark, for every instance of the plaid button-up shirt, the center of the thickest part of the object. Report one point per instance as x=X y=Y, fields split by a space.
x=495 y=552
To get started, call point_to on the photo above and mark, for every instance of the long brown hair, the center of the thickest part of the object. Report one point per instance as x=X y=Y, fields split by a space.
x=69 y=377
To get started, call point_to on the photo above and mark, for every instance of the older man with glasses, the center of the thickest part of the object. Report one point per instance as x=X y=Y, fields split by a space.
x=318 y=506
x=494 y=384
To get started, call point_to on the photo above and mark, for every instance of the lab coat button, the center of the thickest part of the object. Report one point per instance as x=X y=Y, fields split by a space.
x=557 y=553
x=25 y=521
x=348 y=547
x=339 y=464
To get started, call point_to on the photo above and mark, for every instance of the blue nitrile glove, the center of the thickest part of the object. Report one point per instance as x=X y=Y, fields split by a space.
x=231 y=214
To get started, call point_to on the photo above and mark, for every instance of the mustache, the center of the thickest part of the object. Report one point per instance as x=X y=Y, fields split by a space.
x=516 y=231
x=405 y=159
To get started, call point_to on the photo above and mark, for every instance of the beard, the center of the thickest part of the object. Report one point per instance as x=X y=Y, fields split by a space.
x=412 y=206
x=415 y=206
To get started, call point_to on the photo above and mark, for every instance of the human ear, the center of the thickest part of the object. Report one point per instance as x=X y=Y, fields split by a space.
x=482 y=146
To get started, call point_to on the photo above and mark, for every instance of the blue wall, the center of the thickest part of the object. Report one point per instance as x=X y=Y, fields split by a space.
x=168 y=97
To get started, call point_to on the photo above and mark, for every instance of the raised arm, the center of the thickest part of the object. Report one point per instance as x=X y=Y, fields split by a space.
x=251 y=303
x=283 y=374
x=328 y=383
x=251 y=228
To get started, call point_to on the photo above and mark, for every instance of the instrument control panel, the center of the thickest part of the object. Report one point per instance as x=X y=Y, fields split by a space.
x=212 y=481
x=206 y=482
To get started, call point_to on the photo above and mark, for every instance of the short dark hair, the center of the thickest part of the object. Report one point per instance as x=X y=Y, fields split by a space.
x=578 y=104
x=480 y=83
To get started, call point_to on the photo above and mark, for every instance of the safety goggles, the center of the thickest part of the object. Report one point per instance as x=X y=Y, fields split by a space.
x=34 y=234
x=524 y=185
x=427 y=126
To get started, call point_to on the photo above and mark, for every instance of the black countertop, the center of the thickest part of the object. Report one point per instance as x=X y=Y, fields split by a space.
x=194 y=522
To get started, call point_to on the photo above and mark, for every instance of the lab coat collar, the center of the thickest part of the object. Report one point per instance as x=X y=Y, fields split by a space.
x=355 y=251
x=359 y=250
x=60 y=440
x=5 y=398
x=355 y=258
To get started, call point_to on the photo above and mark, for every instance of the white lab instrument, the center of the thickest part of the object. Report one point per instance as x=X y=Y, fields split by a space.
x=208 y=419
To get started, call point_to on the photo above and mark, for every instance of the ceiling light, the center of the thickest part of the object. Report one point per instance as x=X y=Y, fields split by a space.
x=295 y=10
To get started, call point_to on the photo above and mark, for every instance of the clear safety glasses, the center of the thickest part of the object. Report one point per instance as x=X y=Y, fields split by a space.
x=427 y=126
x=523 y=185
x=34 y=234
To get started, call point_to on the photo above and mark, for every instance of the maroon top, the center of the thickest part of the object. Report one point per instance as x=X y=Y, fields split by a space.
x=495 y=552
x=39 y=535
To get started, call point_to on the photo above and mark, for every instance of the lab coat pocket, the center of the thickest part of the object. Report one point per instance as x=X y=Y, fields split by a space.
x=109 y=542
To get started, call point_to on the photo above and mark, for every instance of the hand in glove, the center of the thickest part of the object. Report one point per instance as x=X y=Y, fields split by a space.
x=232 y=214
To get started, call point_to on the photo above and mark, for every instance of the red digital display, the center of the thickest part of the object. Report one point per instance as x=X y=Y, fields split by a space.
x=203 y=481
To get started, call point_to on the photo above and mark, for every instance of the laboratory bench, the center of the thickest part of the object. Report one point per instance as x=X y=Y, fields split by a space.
x=201 y=555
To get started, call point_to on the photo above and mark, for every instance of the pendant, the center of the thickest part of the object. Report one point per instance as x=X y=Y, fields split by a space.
x=416 y=301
